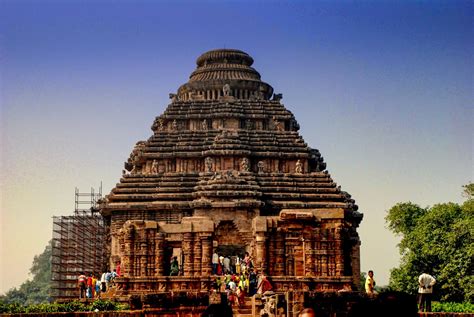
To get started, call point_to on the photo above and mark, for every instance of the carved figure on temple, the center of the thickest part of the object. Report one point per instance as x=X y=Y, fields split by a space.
x=261 y=93
x=244 y=165
x=161 y=125
x=261 y=167
x=270 y=305
x=174 y=97
x=209 y=162
x=249 y=124
x=204 y=124
x=277 y=97
x=174 y=125
x=226 y=90
x=154 y=167
x=299 y=167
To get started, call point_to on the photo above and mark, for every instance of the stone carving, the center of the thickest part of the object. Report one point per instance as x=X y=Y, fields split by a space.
x=299 y=167
x=161 y=124
x=226 y=90
x=261 y=167
x=277 y=97
x=154 y=167
x=244 y=165
x=204 y=124
x=174 y=125
x=174 y=97
x=249 y=125
x=277 y=125
x=209 y=162
x=269 y=304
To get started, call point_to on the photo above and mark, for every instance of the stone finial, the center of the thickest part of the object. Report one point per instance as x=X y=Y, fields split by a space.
x=226 y=90
x=299 y=167
x=209 y=162
x=244 y=165
x=261 y=167
x=154 y=167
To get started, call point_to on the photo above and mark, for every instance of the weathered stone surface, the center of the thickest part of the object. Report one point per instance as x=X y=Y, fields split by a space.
x=226 y=166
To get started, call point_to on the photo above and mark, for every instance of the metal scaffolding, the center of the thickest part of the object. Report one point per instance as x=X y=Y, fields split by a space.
x=78 y=245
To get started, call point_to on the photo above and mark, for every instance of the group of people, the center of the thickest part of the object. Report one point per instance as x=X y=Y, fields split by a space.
x=238 y=278
x=425 y=289
x=92 y=286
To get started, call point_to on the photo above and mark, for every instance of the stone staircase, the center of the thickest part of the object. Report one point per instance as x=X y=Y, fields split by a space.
x=244 y=310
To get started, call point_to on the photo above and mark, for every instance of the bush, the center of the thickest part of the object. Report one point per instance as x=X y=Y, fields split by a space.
x=74 y=306
x=449 y=307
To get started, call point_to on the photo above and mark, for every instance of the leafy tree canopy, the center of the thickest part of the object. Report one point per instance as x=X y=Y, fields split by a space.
x=436 y=240
x=37 y=289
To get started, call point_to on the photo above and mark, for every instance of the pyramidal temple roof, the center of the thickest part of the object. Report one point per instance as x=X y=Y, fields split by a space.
x=225 y=141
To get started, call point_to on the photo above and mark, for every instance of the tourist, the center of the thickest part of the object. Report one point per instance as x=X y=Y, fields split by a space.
x=264 y=285
x=252 y=282
x=103 y=282
x=240 y=296
x=425 y=291
x=307 y=312
x=215 y=262
x=226 y=263
x=98 y=284
x=81 y=283
x=174 y=267
x=233 y=261
x=89 y=286
x=118 y=269
x=370 y=283
x=220 y=268
x=108 y=278
x=237 y=265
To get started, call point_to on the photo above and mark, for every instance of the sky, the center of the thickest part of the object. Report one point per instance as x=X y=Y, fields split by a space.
x=383 y=89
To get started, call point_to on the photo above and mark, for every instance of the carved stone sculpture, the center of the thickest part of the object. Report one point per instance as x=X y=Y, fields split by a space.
x=261 y=167
x=299 y=167
x=244 y=165
x=154 y=167
x=209 y=164
x=226 y=90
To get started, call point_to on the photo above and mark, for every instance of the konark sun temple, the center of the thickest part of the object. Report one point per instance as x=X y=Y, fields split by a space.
x=226 y=171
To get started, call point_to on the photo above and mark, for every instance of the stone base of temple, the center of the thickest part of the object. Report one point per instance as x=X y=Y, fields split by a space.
x=146 y=285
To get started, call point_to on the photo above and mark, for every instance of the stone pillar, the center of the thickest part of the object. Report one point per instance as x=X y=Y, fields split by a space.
x=355 y=258
x=309 y=257
x=187 y=251
x=338 y=243
x=206 y=266
x=159 y=253
x=197 y=251
x=280 y=255
x=261 y=252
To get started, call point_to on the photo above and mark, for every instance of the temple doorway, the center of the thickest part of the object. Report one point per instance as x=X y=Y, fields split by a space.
x=229 y=240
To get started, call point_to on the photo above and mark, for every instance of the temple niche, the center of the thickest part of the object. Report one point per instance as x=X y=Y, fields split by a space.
x=226 y=170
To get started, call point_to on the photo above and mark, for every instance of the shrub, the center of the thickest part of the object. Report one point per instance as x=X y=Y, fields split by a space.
x=450 y=307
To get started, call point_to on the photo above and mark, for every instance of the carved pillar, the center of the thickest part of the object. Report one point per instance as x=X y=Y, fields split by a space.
x=280 y=255
x=187 y=251
x=159 y=253
x=338 y=243
x=197 y=251
x=206 y=267
x=261 y=252
x=309 y=256
x=355 y=257
x=272 y=254
x=128 y=253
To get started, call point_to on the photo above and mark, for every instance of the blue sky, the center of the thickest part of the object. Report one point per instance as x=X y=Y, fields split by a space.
x=383 y=89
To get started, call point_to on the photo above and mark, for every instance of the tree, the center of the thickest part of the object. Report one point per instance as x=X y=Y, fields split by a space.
x=436 y=240
x=37 y=289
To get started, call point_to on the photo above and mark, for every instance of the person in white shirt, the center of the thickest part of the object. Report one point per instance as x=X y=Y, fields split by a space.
x=425 y=291
x=215 y=262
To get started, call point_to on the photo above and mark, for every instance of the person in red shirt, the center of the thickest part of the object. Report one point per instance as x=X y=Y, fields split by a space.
x=89 y=286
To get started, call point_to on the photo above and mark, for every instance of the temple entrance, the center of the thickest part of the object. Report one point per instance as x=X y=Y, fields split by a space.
x=231 y=250
x=229 y=240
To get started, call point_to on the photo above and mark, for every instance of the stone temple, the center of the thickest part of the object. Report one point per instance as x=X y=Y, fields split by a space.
x=226 y=169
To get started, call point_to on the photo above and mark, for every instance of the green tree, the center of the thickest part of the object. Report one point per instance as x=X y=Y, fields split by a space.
x=37 y=289
x=436 y=240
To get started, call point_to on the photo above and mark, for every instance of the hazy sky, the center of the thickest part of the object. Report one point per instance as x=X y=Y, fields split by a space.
x=383 y=89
